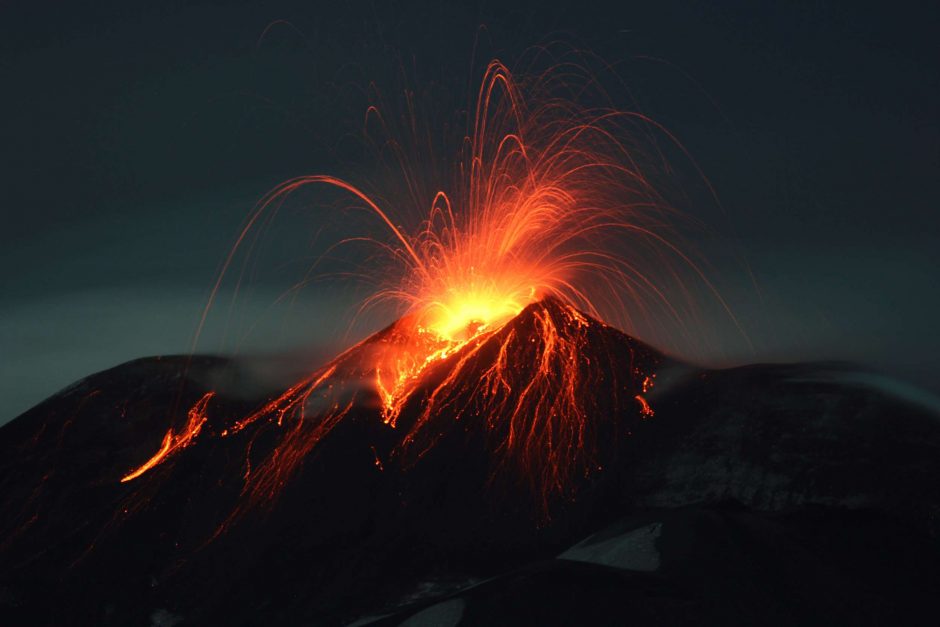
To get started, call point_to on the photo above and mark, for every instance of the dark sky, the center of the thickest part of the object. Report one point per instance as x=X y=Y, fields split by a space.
x=133 y=142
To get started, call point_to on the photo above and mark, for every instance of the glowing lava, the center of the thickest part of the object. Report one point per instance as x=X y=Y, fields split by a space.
x=549 y=215
x=174 y=442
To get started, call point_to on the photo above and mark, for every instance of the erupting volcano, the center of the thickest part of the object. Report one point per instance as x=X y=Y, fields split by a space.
x=550 y=215
x=456 y=462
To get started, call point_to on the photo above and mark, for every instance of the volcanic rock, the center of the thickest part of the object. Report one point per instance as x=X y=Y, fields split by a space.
x=776 y=494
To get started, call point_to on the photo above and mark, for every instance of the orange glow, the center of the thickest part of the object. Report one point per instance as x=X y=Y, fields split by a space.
x=549 y=214
x=173 y=442
x=645 y=408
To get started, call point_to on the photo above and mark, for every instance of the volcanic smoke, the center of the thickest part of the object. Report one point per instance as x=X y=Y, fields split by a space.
x=549 y=220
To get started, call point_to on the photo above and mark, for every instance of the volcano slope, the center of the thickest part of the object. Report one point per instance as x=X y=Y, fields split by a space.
x=777 y=494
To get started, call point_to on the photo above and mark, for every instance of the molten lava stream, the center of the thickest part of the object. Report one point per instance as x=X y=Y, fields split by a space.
x=174 y=442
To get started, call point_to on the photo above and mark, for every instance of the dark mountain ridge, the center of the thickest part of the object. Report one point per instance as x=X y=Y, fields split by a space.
x=760 y=455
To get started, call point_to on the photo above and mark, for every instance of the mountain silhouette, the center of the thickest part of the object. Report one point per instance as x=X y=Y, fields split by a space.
x=536 y=475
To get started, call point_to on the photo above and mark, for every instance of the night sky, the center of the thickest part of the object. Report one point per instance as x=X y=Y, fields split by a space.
x=135 y=141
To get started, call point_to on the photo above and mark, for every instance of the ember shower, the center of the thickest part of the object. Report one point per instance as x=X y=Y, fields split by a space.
x=551 y=210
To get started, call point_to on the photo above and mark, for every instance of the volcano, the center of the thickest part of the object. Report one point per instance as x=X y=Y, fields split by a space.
x=551 y=470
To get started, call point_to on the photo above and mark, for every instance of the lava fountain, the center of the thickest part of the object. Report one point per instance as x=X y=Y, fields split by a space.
x=550 y=215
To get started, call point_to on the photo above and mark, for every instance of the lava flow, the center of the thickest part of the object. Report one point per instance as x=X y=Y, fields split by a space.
x=549 y=215
x=173 y=442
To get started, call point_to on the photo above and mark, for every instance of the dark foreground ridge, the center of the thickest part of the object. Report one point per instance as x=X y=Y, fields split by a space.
x=768 y=494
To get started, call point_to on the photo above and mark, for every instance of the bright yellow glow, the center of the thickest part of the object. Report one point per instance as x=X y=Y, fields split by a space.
x=467 y=315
